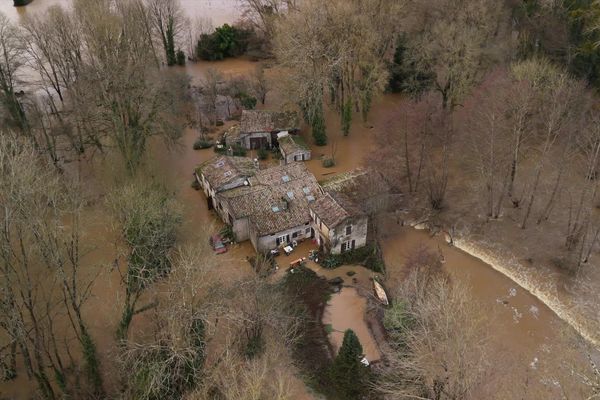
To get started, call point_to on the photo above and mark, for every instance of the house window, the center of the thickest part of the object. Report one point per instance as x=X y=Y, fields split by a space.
x=282 y=239
x=349 y=230
x=307 y=231
x=347 y=246
x=295 y=235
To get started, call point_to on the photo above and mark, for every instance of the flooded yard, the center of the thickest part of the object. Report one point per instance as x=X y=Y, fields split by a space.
x=522 y=323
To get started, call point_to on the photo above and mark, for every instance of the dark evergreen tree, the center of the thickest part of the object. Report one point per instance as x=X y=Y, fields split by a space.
x=405 y=76
x=348 y=374
x=318 y=129
x=347 y=117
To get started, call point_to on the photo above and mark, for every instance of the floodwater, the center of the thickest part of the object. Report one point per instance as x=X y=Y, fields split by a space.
x=218 y=12
x=522 y=324
x=345 y=309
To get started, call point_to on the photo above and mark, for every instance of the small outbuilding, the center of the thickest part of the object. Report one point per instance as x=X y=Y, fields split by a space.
x=258 y=129
x=293 y=148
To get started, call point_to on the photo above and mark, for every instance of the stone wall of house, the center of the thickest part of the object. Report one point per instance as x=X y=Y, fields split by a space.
x=337 y=236
x=269 y=242
x=246 y=139
x=302 y=155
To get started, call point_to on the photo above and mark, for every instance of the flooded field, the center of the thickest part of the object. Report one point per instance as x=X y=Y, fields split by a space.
x=217 y=11
x=522 y=323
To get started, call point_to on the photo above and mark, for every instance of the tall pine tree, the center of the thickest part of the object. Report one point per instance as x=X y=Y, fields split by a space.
x=348 y=374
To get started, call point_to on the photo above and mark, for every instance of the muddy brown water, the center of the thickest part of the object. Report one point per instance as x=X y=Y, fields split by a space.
x=521 y=322
x=218 y=12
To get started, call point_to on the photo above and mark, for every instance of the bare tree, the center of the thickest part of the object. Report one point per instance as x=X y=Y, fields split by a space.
x=264 y=13
x=147 y=217
x=167 y=21
x=260 y=83
x=12 y=59
x=560 y=107
x=438 y=338
x=490 y=144
x=122 y=98
x=331 y=49
x=453 y=39
x=42 y=280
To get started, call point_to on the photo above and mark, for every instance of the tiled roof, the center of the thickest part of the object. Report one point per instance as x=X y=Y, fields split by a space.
x=224 y=171
x=268 y=121
x=292 y=144
x=277 y=198
x=334 y=208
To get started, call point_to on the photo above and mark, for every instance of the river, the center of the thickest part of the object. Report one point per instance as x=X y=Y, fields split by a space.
x=522 y=323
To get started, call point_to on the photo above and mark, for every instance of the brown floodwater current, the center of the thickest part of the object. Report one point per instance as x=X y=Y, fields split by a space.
x=521 y=323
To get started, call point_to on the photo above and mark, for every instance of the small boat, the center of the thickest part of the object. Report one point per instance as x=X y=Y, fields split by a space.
x=380 y=293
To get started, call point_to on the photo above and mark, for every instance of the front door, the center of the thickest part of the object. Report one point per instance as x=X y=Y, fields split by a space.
x=258 y=143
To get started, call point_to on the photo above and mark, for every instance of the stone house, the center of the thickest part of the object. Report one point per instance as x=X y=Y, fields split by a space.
x=259 y=128
x=341 y=225
x=293 y=148
x=221 y=174
x=275 y=206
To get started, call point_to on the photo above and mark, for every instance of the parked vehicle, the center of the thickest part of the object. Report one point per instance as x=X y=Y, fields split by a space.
x=219 y=247
x=275 y=252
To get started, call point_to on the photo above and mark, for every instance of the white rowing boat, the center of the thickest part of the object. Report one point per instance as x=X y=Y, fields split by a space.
x=380 y=293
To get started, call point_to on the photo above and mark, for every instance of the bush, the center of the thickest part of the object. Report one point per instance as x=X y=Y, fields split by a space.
x=195 y=184
x=227 y=233
x=368 y=256
x=328 y=162
x=263 y=154
x=202 y=144
x=239 y=151
x=180 y=57
x=225 y=41
x=248 y=102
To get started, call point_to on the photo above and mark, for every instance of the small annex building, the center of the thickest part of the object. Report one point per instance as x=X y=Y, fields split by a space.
x=258 y=129
x=275 y=206
x=293 y=148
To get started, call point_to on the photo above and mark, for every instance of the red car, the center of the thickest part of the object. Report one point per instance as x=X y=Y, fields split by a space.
x=216 y=241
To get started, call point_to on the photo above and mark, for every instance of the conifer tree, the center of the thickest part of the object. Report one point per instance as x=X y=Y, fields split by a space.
x=348 y=375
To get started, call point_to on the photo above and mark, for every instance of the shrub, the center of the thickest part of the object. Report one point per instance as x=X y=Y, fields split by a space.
x=227 y=233
x=239 y=151
x=248 y=102
x=202 y=144
x=225 y=41
x=263 y=154
x=195 y=184
x=180 y=57
x=328 y=162
x=368 y=256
